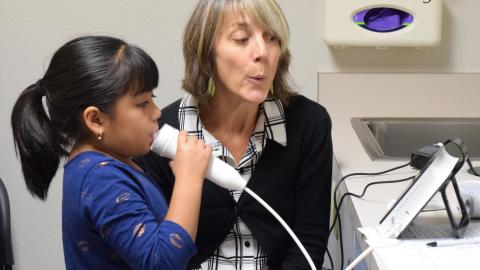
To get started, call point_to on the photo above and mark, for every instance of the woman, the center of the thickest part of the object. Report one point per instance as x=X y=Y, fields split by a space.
x=239 y=102
x=98 y=91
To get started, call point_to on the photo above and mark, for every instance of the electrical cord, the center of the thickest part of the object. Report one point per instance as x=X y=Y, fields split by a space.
x=372 y=184
x=337 y=208
x=361 y=196
x=472 y=169
x=330 y=259
x=337 y=216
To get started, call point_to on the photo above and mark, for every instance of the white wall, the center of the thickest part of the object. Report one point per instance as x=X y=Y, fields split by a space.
x=30 y=31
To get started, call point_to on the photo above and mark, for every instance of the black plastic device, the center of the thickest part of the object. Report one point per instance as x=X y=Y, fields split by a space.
x=420 y=157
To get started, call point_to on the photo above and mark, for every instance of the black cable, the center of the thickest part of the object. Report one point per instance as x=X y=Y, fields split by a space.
x=371 y=184
x=337 y=207
x=361 y=196
x=471 y=167
x=330 y=259
x=340 y=238
x=357 y=174
x=337 y=214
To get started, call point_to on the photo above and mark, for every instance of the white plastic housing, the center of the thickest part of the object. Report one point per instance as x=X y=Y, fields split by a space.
x=219 y=172
x=340 y=30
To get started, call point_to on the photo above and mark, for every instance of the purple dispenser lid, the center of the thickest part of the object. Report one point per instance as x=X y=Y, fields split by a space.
x=383 y=19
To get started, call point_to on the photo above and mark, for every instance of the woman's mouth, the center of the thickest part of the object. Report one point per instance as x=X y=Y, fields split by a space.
x=256 y=79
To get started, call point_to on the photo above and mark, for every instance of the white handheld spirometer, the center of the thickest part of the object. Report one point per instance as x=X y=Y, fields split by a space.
x=219 y=172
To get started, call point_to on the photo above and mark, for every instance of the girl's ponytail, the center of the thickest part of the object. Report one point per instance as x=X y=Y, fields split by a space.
x=36 y=141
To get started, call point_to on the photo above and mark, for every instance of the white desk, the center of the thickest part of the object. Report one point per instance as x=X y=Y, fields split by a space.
x=369 y=211
x=350 y=95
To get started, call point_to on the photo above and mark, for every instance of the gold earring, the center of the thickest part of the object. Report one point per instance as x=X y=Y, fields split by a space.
x=211 y=87
x=99 y=137
x=271 y=89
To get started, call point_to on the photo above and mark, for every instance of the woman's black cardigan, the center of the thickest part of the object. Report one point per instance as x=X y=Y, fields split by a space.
x=295 y=180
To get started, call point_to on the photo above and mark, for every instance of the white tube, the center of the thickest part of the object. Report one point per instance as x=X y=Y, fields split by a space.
x=284 y=224
x=359 y=258
x=383 y=242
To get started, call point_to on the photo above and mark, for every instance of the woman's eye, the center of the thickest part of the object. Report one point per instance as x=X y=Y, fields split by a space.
x=241 y=40
x=272 y=38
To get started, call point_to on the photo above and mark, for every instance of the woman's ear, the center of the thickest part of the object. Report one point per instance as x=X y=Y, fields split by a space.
x=95 y=121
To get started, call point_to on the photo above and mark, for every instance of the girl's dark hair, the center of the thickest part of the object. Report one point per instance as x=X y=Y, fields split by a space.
x=87 y=71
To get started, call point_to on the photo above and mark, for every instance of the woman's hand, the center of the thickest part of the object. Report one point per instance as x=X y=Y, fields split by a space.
x=192 y=158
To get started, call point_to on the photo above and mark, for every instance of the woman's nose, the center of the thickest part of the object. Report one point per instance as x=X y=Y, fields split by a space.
x=260 y=49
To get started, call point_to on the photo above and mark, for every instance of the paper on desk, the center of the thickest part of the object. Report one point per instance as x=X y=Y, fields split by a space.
x=415 y=254
x=438 y=231
x=398 y=255
x=373 y=234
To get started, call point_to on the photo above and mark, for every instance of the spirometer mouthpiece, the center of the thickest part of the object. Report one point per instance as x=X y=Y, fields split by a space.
x=219 y=172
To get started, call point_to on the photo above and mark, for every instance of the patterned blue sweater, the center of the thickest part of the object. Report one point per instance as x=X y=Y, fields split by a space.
x=113 y=218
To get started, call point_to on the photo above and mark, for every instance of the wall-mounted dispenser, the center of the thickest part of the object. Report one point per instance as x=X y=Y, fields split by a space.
x=382 y=23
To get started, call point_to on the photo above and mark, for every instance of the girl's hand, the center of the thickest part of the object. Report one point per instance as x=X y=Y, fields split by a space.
x=192 y=158
x=189 y=167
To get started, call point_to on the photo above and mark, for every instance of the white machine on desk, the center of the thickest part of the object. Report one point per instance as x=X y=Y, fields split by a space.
x=470 y=191
x=438 y=175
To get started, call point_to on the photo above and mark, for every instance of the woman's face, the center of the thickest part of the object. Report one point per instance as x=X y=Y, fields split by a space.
x=130 y=131
x=246 y=59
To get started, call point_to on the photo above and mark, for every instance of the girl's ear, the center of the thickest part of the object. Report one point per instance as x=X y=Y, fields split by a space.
x=95 y=120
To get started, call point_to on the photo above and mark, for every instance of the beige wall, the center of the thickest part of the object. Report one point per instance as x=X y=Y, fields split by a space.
x=30 y=31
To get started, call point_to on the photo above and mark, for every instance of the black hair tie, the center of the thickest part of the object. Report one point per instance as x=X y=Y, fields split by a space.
x=39 y=86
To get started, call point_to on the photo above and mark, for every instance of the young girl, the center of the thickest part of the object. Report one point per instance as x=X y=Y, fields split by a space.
x=99 y=114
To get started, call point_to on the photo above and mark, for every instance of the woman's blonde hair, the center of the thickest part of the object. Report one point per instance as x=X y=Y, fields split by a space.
x=208 y=19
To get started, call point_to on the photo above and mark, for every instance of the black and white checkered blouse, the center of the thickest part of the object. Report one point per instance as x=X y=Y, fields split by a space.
x=239 y=250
